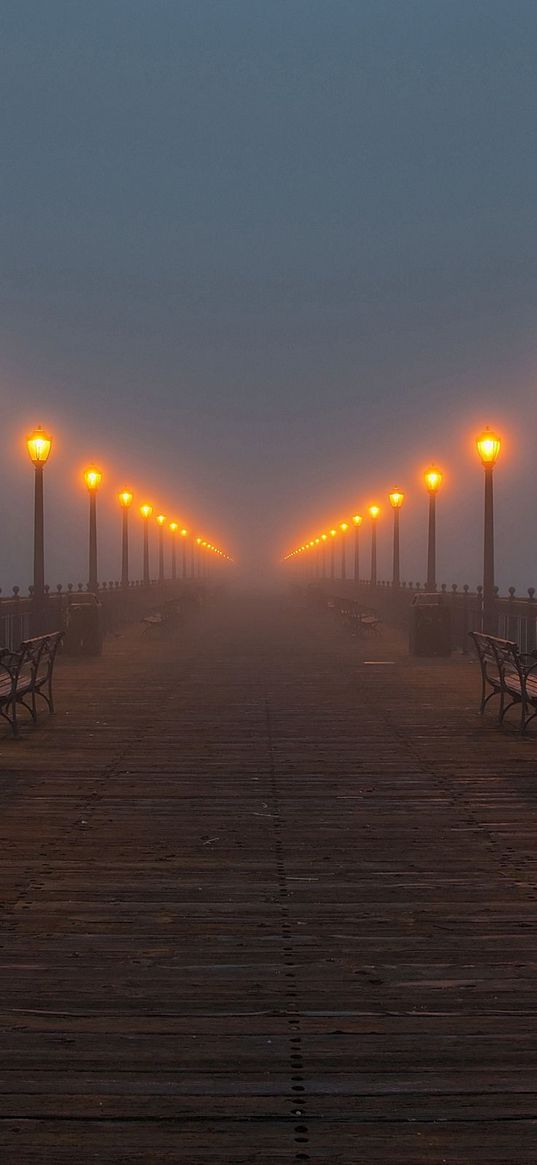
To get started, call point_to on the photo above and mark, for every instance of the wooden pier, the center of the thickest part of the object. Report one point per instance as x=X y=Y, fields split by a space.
x=269 y=895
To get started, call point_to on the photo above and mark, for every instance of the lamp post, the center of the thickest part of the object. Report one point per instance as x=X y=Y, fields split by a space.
x=161 y=521
x=357 y=522
x=488 y=446
x=184 y=536
x=93 y=478
x=39 y=445
x=374 y=512
x=125 y=501
x=146 y=512
x=433 y=481
x=174 y=526
x=397 y=498
x=324 y=538
x=344 y=526
x=332 y=554
x=198 y=557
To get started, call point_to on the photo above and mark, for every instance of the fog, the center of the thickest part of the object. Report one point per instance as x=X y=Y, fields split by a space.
x=263 y=262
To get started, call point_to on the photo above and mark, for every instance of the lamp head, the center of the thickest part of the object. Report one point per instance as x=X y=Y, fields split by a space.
x=146 y=511
x=38 y=445
x=433 y=479
x=357 y=519
x=397 y=498
x=93 y=478
x=125 y=498
x=374 y=512
x=488 y=446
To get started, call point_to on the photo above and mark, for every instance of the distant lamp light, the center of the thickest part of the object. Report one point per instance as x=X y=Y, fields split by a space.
x=374 y=512
x=343 y=526
x=146 y=510
x=125 y=498
x=174 y=526
x=397 y=498
x=433 y=479
x=357 y=519
x=93 y=478
x=160 y=519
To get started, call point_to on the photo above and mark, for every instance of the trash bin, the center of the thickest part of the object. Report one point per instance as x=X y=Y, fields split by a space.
x=430 y=625
x=84 y=628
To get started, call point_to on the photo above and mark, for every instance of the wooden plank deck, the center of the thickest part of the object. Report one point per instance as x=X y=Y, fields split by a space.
x=265 y=901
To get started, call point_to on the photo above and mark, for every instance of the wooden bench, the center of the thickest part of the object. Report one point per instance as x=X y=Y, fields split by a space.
x=508 y=673
x=26 y=674
x=362 y=621
x=165 y=618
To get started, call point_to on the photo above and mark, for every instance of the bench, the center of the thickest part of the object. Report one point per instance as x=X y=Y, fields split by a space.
x=508 y=673
x=167 y=617
x=362 y=621
x=26 y=674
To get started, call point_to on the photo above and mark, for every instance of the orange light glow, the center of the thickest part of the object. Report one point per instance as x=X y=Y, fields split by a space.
x=93 y=478
x=397 y=498
x=38 y=445
x=344 y=526
x=324 y=537
x=160 y=518
x=333 y=533
x=146 y=511
x=488 y=446
x=174 y=526
x=184 y=533
x=374 y=511
x=125 y=498
x=357 y=519
x=433 y=479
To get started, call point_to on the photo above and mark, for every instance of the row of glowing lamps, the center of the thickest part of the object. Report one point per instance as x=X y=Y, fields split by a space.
x=488 y=445
x=39 y=445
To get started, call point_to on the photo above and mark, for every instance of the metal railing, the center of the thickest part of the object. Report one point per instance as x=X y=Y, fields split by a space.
x=22 y=616
x=514 y=617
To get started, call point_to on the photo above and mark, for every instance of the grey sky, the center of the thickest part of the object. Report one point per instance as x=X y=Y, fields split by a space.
x=265 y=259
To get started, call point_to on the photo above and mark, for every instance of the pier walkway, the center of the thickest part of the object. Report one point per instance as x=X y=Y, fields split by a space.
x=269 y=896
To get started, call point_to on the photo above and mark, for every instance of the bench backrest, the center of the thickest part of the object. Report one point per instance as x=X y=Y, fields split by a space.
x=39 y=654
x=498 y=657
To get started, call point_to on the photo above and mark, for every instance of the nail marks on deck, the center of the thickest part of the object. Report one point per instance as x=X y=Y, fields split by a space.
x=265 y=904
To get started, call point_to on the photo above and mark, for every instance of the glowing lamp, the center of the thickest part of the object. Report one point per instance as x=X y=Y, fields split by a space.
x=488 y=446
x=184 y=533
x=173 y=527
x=38 y=445
x=333 y=533
x=160 y=518
x=344 y=526
x=374 y=511
x=146 y=511
x=324 y=537
x=397 y=498
x=125 y=498
x=93 y=478
x=357 y=519
x=433 y=479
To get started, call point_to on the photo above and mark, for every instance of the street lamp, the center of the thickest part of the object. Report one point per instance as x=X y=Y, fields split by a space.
x=93 y=478
x=357 y=522
x=488 y=446
x=433 y=481
x=344 y=526
x=374 y=512
x=125 y=501
x=332 y=554
x=161 y=520
x=184 y=536
x=174 y=526
x=397 y=498
x=146 y=512
x=39 y=445
x=324 y=538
